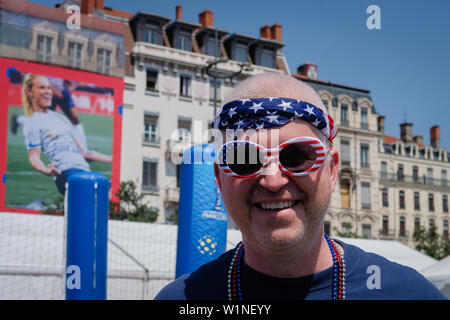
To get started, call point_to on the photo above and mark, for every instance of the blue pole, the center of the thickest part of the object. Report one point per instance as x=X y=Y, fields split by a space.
x=87 y=236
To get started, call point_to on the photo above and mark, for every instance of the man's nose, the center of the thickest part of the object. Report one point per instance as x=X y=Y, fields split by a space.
x=272 y=178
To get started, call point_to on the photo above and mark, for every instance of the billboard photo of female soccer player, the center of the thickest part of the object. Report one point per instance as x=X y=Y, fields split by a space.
x=57 y=125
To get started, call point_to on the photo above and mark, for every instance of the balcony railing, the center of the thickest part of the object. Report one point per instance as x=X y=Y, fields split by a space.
x=172 y=195
x=414 y=180
x=387 y=234
x=151 y=139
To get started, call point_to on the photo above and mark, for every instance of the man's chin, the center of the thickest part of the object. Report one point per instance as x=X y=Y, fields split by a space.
x=280 y=238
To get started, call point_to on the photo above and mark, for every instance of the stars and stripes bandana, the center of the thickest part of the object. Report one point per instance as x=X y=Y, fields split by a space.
x=264 y=113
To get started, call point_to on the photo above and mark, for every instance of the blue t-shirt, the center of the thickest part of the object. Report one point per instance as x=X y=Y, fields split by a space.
x=367 y=276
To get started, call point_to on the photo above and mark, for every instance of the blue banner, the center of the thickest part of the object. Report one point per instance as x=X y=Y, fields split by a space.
x=202 y=219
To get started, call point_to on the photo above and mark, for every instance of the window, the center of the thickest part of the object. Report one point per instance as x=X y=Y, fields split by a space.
x=151 y=33
x=325 y=103
x=240 y=52
x=152 y=78
x=345 y=152
x=212 y=47
x=75 y=54
x=44 y=48
x=365 y=195
x=385 y=197
x=444 y=178
x=211 y=90
x=384 y=169
x=183 y=41
x=267 y=58
x=445 y=228
x=149 y=175
x=104 y=61
x=415 y=173
x=430 y=176
x=344 y=114
x=431 y=224
x=367 y=231
x=416 y=224
x=346 y=227
x=364 y=155
x=184 y=130
x=364 y=119
x=385 y=226
x=400 y=172
x=416 y=200
x=178 y=175
x=185 y=86
x=345 y=194
x=402 y=230
x=445 y=203
x=327 y=227
x=150 y=128
x=401 y=199
x=430 y=202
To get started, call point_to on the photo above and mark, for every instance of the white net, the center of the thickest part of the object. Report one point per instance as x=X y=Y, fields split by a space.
x=141 y=257
x=31 y=256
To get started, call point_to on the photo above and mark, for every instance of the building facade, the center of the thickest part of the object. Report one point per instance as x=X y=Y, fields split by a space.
x=169 y=103
x=387 y=188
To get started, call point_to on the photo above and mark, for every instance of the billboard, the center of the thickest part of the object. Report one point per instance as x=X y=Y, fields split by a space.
x=55 y=122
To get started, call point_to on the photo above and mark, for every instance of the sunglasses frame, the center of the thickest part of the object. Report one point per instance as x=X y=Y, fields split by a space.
x=273 y=153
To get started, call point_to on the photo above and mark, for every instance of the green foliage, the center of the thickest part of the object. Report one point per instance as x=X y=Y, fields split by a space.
x=431 y=243
x=130 y=206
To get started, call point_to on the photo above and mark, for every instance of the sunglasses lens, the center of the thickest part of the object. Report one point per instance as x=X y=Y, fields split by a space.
x=298 y=157
x=244 y=159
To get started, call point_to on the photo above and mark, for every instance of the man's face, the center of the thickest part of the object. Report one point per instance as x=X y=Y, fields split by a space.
x=305 y=198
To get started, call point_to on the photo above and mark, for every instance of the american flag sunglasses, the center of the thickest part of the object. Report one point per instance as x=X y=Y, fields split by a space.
x=298 y=157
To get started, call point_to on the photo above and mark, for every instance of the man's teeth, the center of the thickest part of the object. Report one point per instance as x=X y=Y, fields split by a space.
x=277 y=205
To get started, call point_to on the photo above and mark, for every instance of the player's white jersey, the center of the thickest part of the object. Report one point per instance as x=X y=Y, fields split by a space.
x=54 y=134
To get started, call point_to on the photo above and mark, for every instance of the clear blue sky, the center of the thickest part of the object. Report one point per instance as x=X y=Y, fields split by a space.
x=405 y=64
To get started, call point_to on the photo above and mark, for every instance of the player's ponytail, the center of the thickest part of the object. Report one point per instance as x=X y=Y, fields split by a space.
x=26 y=100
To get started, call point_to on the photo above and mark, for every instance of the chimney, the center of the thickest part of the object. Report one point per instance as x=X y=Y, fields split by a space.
x=418 y=140
x=264 y=32
x=406 y=132
x=87 y=6
x=301 y=70
x=178 y=13
x=381 y=124
x=206 y=18
x=99 y=4
x=435 y=137
x=276 y=32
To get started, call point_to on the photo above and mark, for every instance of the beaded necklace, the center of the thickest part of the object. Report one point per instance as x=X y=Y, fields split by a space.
x=338 y=279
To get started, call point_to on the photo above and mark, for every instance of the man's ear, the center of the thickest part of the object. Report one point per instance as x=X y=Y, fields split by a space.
x=334 y=168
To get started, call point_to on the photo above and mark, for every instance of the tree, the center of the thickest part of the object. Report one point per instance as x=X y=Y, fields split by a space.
x=431 y=243
x=130 y=206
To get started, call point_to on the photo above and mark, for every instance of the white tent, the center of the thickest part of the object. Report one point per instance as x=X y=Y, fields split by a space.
x=394 y=251
x=141 y=256
x=439 y=274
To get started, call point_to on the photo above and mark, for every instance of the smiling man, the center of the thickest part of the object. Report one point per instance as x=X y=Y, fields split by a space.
x=277 y=169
